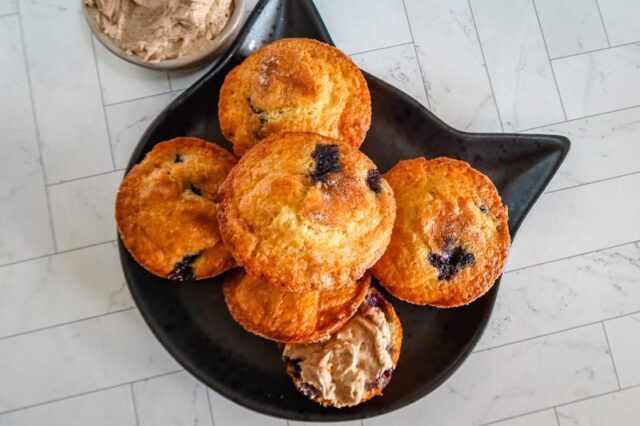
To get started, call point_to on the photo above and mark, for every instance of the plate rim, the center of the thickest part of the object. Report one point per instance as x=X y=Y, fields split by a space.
x=562 y=145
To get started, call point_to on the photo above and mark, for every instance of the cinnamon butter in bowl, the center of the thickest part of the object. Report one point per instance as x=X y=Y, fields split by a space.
x=165 y=34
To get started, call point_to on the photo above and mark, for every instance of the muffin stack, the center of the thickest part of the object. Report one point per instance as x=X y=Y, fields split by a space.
x=306 y=215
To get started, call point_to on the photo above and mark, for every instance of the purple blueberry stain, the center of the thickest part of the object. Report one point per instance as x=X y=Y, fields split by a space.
x=183 y=270
x=375 y=300
x=195 y=190
x=381 y=381
x=451 y=262
x=373 y=180
x=327 y=158
x=483 y=208
x=257 y=111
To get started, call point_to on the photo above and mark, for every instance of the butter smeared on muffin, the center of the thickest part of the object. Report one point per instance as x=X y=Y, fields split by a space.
x=355 y=363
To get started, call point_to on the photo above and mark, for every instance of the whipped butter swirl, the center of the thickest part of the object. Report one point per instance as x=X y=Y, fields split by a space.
x=156 y=30
x=343 y=367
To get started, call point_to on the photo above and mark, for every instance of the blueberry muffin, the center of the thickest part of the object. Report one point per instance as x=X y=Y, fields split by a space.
x=294 y=85
x=305 y=212
x=280 y=315
x=166 y=210
x=354 y=364
x=450 y=239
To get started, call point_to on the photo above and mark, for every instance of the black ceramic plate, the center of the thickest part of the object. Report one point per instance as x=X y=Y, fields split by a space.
x=191 y=319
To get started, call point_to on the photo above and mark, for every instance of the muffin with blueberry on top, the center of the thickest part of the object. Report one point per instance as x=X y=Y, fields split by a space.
x=305 y=212
x=166 y=210
x=451 y=237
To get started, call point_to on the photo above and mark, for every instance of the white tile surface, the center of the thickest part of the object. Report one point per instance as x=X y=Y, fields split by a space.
x=452 y=64
x=621 y=20
x=571 y=26
x=505 y=382
x=361 y=25
x=227 y=413
x=66 y=91
x=122 y=81
x=172 y=400
x=518 y=64
x=127 y=122
x=80 y=357
x=541 y=418
x=351 y=423
x=397 y=66
x=599 y=82
x=579 y=220
x=564 y=294
x=520 y=378
x=181 y=80
x=7 y=7
x=609 y=141
x=61 y=288
x=111 y=407
x=82 y=210
x=25 y=229
x=619 y=409
x=624 y=338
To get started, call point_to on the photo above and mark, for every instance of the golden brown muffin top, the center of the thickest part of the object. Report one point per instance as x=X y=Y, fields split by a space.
x=290 y=85
x=166 y=210
x=277 y=314
x=450 y=239
x=306 y=212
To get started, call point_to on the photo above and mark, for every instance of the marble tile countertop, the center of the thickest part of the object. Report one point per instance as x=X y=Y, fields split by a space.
x=563 y=342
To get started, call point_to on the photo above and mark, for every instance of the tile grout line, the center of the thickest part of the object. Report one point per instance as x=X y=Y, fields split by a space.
x=539 y=410
x=613 y=362
x=213 y=422
x=64 y=398
x=62 y=324
x=555 y=411
x=62 y=182
x=377 y=49
x=56 y=253
x=6 y=15
x=571 y=120
x=486 y=66
x=553 y=73
x=142 y=97
x=415 y=52
x=516 y=416
x=592 y=182
x=552 y=333
x=631 y=43
x=604 y=27
x=133 y=402
x=104 y=112
x=43 y=172
x=570 y=257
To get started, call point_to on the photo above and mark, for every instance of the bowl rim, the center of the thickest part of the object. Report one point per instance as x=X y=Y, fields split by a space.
x=220 y=43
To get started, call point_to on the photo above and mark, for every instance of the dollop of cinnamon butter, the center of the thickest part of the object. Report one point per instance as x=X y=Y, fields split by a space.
x=156 y=30
x=343 y=367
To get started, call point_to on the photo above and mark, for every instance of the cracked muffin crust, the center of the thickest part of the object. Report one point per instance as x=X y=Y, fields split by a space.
x=166 y=210
x=354 y=364
x=294 y=85
x=450 y=239
x=299 y=212
x=283 y=316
